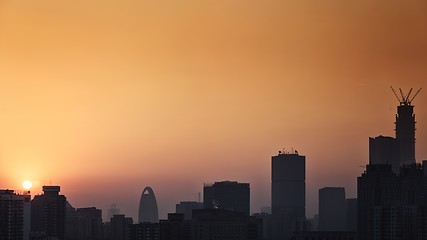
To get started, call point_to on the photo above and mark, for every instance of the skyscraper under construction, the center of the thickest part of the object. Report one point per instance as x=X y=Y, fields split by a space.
x=400 y=150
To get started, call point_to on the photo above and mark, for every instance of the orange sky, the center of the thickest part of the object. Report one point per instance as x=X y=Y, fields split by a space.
x=104 y=97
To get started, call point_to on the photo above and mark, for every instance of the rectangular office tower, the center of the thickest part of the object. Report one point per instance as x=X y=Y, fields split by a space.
x=287 y=194
x=332 y=209
x=227 y=195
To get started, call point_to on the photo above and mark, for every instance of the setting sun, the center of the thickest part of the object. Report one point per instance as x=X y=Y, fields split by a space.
x=27 y=185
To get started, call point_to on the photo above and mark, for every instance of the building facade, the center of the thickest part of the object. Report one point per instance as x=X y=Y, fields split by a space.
x=332 y=209
x=14 y=222
x=148 y=210
x=48 y=213
x=287 y=194
x=227 y=195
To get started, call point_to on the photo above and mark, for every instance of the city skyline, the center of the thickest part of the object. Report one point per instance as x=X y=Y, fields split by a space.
x=104 y=106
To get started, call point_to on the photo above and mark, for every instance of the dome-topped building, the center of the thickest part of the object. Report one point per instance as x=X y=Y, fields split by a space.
x=148 y=211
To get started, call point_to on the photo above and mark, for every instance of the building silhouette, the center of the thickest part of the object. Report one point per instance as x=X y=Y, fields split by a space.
x=351 y=214
x=392 y=206
x=266 y=224
x=392 y=195
x=83 y=223
x=187 y=208
x=14 y=215
x=48 y=213
x=148 y=211
x=144 y=231
x=384 y=150
x=227 y=195
x=119 y=227
x=332 y=209
x=287 y=194
x=405 y=132
x=224 y=224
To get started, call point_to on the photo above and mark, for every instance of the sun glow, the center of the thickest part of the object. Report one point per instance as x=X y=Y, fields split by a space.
x=27 y=185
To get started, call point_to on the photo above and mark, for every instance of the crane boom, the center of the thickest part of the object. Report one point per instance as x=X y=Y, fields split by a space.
x=395 y=94
x=401 y=94
x=412 y=99
x=409 y=94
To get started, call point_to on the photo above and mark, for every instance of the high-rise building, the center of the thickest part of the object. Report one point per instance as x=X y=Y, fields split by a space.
x=148 y=211
x=119 y=227
x=392 y=206
x=405 y=126
x=84 y=224
x=384 y=150
x=405 y=132
x=224 y=224
x=48 y=213
x=186 y=208
x=227 y=195
x=351 y=214
x=13 y=220
x=287 y=194
x=332 y=209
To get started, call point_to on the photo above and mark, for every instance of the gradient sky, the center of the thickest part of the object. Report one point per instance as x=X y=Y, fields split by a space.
x=105 y=97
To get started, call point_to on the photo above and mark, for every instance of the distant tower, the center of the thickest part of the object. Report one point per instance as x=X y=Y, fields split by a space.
x=332 y=207
x=287 y=194
x=405 y=127
x=148 y=211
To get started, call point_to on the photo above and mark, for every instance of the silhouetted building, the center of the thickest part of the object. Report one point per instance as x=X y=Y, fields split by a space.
x=287 y=194
x=148 y=211
x=391 y=206
x=83 y=223
x=384 y=150
x=113 y=210
x=325 y=235
x=119 y=227
x=14 y=222
x=175 y=228
x=48 y=213
x=313 y=223
x=351 y=215
x=332 y=209
x=266 y=210
x=225 y=224
x=266 y=224
x=145 y=231
x=405 y=132
x=186 y=208
x=227 y=195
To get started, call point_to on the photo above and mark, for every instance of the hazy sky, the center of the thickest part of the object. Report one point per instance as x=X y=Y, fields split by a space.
x=105 y=97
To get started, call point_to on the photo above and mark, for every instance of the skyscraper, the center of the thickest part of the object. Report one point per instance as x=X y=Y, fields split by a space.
x=148 y=211
x=227 y=195
x=12 y=215
x=332 y=209
x=405 y=127
x=287 y=194
x=405 y=132
x=392 y=206
x=384 y=150
x=48 y=213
